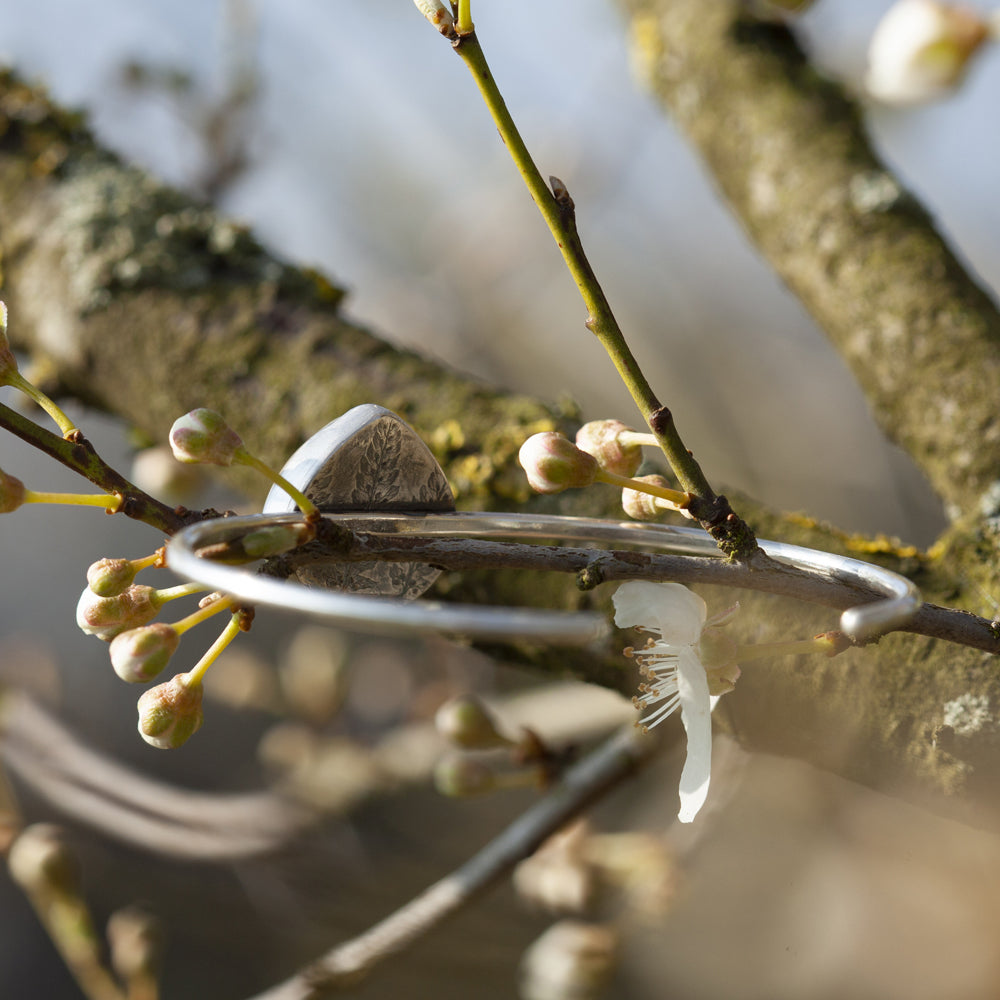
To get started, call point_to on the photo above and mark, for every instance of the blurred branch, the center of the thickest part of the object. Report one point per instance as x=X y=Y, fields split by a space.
x=343 y=967
x=790 y=153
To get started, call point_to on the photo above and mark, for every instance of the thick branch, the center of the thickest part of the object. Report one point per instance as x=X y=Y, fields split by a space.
x=791 y=155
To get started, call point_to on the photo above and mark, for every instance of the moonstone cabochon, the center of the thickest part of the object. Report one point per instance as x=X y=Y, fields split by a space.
x=368 y=459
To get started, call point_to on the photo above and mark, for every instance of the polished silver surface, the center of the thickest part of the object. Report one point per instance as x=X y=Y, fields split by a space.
x=393 y=616
x=368 y=459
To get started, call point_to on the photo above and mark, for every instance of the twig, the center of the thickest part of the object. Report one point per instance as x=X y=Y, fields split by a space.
x=604 y=566
x=582 y=784
x=733 y=535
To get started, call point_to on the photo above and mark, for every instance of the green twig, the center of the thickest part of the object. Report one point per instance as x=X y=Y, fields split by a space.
x=557 y=208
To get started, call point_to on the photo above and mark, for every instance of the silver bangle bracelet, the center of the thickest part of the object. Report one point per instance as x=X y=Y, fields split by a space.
x=371 y=459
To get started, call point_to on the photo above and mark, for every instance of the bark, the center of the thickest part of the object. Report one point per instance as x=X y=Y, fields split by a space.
x=144 y=303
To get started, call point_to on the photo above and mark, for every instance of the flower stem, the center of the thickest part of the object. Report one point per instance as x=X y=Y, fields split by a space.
x=17 y=381
x=557 y=209
x=306 y=505
x=464 y=25
x=197 y=673
x=675 y=498
x=182 y=590
x=203 y=614
x=111 y=502
x=757 y=651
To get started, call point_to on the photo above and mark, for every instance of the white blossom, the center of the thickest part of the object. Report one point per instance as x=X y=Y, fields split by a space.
x=686 y=662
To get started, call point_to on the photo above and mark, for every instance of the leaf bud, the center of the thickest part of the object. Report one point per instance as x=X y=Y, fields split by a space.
x=553 y=463
x=139 y=654
x=600 y=438
x=170 y=714
x=105 y=617
x=203 y=436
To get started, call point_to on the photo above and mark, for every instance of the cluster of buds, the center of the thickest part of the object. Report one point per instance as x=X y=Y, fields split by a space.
x=605 y=451
x=484 y=759
x=120 y=611
x=922 y=49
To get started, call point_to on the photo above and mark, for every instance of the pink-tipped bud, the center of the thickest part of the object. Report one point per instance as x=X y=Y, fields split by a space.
x=40 y=860
x=643 y=506
x=105 y=617
x=139 y=654
x=12 y=493
x=109 y=577
x=553 y=463
x=600 y=439
x=203 y=436
x=170 y=714
x=465 y=722
x=460 y=776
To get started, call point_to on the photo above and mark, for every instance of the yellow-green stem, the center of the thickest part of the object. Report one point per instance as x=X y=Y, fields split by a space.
x=110 y=501
x=676 y=499
x=17 y=381
x=203 y=614
x=464 y=25
x=306 y=505
x=197 y=673
x=181 y=590
x=626 y=438
x=559 y=216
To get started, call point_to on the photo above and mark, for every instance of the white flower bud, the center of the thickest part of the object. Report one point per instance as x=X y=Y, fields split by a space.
x=553 y=463
x=105 y=617
x=135 y=941
x=170 y=714
x=644 y=506
x=203 y=436
x=40 y=861
x=570 y=961
x=600 y=439
x=465 y=722
x=139 y=654
x=109 y=577
x=921 y=50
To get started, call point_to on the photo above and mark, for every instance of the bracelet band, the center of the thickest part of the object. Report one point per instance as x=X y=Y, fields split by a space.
x=393 y=616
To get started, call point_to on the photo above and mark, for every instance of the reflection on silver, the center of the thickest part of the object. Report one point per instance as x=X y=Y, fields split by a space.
x=389 y=615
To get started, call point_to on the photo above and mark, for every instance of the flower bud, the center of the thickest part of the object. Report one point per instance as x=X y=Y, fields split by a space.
x=110 y=577
x=644 y=506
x=12 y=493
x=558 y=876
x=553 y=463
x=105 y=617
x=40 y=860
x=170 y=714
x=204 y=436
x=460 y=776
x=921 y=50
x=600 y=439
x=438 y=14
x=465 y=722
x=572 y=960
x=139 y=654
x=135 y=941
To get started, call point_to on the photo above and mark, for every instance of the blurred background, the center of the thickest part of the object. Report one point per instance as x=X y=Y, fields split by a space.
x=348 y=137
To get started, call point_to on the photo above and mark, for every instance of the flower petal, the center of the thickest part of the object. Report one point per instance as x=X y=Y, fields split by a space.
x=696 y=714
x=677 y=613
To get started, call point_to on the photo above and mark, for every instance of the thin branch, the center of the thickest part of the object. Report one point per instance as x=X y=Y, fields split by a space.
x=343 y=967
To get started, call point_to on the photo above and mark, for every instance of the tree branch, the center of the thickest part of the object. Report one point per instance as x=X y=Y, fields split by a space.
x=791 y=155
